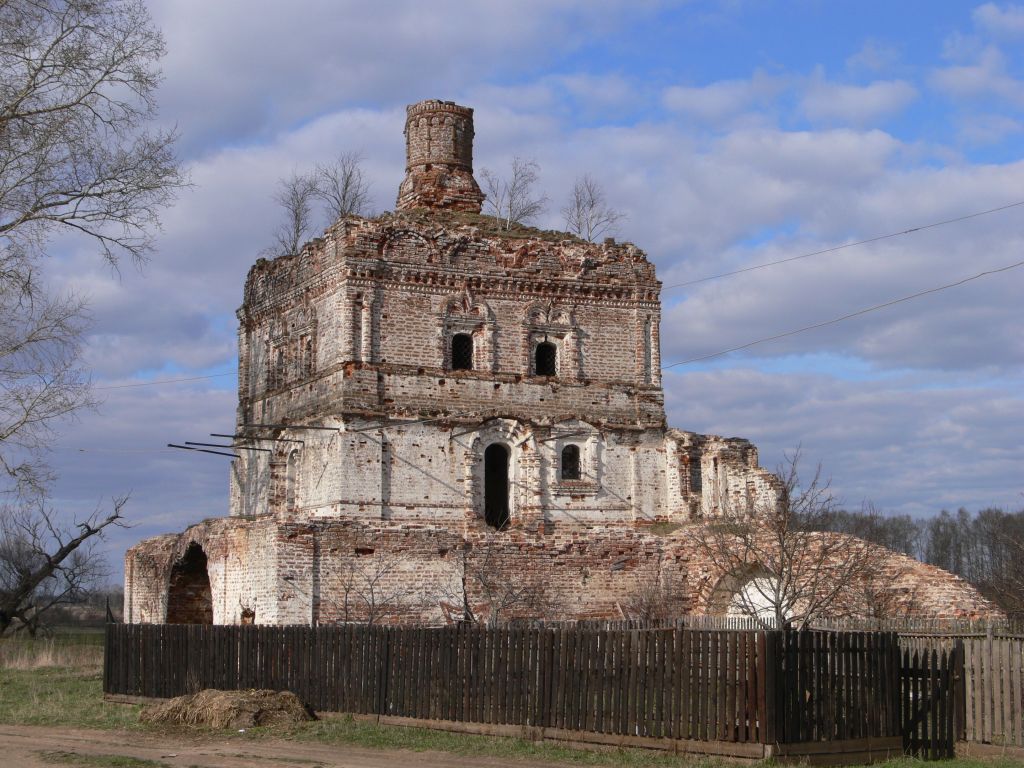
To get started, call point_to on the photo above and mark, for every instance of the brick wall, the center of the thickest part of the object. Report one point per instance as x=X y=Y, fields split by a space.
x=333 y=570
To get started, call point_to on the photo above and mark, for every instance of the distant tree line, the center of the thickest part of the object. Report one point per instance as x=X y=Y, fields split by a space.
x=986 y=548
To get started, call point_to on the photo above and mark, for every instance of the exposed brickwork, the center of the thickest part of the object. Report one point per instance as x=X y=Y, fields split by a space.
x=189 y=599
x=439 y=158
x=377 y=446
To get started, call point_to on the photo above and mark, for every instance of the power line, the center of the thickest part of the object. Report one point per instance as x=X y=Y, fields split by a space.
x=835 y=320
x=842 y=247
x=166 y=381
x=721 y=275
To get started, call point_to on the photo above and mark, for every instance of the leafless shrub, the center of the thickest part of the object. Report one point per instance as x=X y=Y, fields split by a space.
x=588 y=214
x=776 y=565
x=342 y=186
x=514 y=200
x=659 y=594
x=492 y=586
x=296 y=194
x=373 y=589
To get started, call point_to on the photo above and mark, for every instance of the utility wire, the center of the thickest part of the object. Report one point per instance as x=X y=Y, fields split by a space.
x=708 y=278
x=835 y=320
x=841 y=247
x=166 y=381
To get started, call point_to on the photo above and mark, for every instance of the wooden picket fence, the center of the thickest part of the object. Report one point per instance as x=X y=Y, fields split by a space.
x=994 y=690
x=740 y=687
x=932 y=701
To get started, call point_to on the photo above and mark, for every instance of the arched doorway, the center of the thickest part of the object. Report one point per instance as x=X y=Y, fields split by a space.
x=189 y=600
x=496 y=508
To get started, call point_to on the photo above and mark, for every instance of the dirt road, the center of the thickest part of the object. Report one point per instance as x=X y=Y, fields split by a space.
x=27 y=747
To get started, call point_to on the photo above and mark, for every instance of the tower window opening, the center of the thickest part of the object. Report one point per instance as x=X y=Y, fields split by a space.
x=546 y=359
x=462 y=352
x=571 y=462
x=496 y=486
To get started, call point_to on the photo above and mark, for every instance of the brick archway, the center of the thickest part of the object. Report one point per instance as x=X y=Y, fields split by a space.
x=189 y=599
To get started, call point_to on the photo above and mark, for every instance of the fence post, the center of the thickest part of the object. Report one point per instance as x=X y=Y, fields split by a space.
x=772 y=713
x=958 y=681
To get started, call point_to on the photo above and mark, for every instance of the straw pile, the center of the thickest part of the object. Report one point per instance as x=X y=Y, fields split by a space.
x=230 y=709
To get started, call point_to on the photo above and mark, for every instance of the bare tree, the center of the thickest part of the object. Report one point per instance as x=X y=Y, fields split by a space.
x=493 y=587
x=77 y=82
x=342 y=187
x=296 y=194
x=40 y=377
x=77 y=85
x=776 y=565
x=588 y=214
x=658 y=594
x=373 y=588
x=514 y=200
x=44 y=563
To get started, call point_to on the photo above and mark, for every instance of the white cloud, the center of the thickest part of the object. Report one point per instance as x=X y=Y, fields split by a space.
x=723 y=99
x=986 y=77
x=981 y=129
x=1000 y=21
x=855 y=104
x=237 y=72
x=907 y=449
x=873 y=56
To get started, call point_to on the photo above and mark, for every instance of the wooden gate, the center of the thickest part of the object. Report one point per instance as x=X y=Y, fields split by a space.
x=932 y=701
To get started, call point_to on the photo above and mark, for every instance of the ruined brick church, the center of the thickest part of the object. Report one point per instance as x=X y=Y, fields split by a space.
x=440 y=419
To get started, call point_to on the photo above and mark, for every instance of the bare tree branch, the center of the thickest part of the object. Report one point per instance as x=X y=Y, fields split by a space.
x=587 y=214
x=342 y=187
x=296 y=195
x=514 y=200
x=77 y=83
x=659 y=594
x=77 y=86
x=492 y=586
x=373 y=588
x=776 y=564
x=43 y=564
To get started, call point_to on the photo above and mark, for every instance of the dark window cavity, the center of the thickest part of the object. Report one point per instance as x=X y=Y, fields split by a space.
x=496 y=487
x=571 y=462
x=693 y=465
x=546 y=359
x=462 y=352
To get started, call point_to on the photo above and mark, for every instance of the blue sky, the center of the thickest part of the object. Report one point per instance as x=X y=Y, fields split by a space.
x=730 y=133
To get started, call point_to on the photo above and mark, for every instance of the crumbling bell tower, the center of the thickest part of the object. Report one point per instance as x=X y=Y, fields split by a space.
x=439 y=158
x=424 y=396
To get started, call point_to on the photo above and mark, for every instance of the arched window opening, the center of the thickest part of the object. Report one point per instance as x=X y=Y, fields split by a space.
x=189 y=600
x=546 y=359
x=462 y=352
x=571 y=462
x=496 y=486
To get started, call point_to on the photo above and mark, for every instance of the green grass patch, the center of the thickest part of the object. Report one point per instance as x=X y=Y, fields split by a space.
x=349 y=730
x=60 y=696
x=102 y=761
